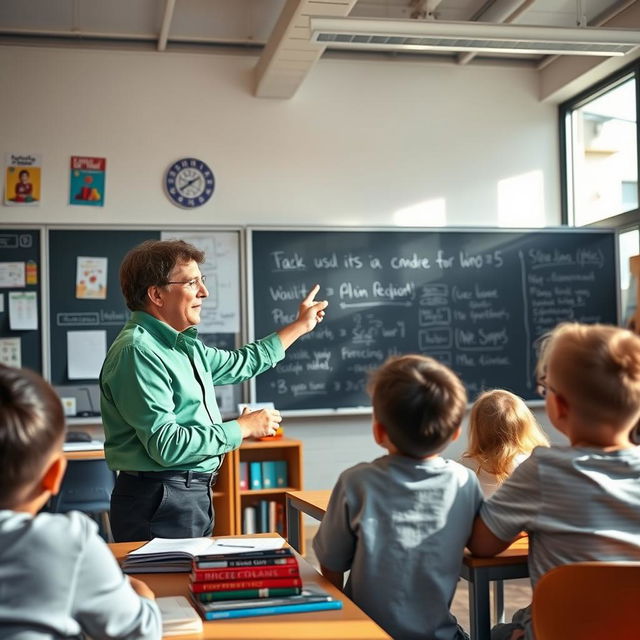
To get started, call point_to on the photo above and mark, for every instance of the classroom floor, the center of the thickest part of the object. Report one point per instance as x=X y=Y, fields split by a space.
x=517 y=593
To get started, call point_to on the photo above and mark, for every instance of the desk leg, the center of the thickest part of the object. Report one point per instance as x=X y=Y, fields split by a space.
x=293 y=526
x=479 y=605
x=498 y=601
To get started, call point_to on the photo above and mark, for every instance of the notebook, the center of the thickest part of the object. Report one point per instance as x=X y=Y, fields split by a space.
x=178 y=616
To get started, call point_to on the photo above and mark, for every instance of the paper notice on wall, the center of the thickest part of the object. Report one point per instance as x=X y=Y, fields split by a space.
x=10 y=352
x=91 y=278
x=23 y=310
x=221 y=309
x=12 y=274
x=86 y=351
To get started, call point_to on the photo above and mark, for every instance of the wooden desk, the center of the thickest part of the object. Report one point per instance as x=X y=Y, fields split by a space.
x=479 y=572
x=348 y=623
x=313 y=503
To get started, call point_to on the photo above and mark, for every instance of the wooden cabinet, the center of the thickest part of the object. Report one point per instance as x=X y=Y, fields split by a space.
x=230 y=501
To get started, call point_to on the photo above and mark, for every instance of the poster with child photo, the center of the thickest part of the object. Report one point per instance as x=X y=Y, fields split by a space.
x=22 y=179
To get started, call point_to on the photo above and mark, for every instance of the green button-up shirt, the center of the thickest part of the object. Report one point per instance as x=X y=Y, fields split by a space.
x=159 y=409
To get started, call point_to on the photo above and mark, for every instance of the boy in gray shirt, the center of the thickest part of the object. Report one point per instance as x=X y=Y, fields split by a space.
x=58 y=578
x=399 y=524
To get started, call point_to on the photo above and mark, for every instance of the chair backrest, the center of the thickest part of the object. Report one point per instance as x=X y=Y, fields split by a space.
x=86 y=486
x=588 y=600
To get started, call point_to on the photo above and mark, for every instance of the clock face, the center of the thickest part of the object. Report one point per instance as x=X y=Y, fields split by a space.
x=189 y=182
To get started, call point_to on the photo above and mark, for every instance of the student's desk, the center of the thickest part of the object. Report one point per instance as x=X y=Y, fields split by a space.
x=79 y=453
x=479 y=572
x=313 y=503
x=348 y=623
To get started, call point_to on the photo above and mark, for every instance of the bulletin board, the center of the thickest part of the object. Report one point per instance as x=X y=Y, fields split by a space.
x=21 y=342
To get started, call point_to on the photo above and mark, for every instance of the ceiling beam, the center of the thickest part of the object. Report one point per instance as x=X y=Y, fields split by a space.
x=289 y=55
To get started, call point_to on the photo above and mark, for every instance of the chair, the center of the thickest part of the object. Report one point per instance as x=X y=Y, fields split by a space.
x=86 y=487
x=588 y=600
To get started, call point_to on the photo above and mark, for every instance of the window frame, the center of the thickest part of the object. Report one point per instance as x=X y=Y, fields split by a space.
x=565 y=110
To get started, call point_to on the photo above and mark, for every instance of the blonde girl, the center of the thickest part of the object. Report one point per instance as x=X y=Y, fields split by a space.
x=502 y=433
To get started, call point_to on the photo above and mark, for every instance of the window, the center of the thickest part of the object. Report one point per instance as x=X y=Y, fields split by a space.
x=600 y=137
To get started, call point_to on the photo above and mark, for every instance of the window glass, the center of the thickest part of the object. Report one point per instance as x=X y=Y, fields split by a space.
x=603 y=155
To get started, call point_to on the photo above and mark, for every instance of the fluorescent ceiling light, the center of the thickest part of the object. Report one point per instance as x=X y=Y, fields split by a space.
x=433 y=35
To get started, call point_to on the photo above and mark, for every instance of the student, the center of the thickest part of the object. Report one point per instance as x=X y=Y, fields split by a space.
x=579 y=502
x=502 y=433
x=58 y=578
x=400 y=523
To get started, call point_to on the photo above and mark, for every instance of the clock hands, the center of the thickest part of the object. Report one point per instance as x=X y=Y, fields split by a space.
x=190 y=182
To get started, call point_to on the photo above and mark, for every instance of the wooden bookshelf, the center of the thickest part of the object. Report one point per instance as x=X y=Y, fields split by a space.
x=259 y=451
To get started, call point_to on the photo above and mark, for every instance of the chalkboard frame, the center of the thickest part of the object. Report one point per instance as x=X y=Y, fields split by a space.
x=366 y=410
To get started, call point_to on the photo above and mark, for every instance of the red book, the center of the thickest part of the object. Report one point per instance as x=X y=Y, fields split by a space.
x=234 y=585
x=247 y=573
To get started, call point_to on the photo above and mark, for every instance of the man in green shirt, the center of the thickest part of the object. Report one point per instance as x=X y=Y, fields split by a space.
x=163 y=428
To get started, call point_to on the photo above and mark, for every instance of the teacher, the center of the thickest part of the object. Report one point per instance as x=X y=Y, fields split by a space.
x=163 y=428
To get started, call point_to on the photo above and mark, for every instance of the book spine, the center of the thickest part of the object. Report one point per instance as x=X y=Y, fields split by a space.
x=244 y=476
x=263 y=519
x=272 y=611
x=268 y=474
x=263 y=553
x=249 y=520
x=241 y=594
x=252 y=573
x=281 y=473
x=274 y=561
x=235 y=585
x=255 y=473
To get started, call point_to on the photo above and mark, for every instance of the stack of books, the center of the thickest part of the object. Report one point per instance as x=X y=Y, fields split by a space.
x=254 y=583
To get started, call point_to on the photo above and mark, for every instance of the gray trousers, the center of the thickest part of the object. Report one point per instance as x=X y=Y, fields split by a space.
x=165 y=504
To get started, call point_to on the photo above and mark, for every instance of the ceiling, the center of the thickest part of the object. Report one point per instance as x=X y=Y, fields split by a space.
x=278 y=30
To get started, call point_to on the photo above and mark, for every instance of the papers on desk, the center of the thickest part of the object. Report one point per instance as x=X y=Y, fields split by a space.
x=93 y=445
x=178 y=616
x=170 y=555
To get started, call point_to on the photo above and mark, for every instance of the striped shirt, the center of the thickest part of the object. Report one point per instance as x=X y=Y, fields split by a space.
x=578 y=504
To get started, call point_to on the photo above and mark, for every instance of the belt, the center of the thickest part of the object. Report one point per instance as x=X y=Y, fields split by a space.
x=176 y=476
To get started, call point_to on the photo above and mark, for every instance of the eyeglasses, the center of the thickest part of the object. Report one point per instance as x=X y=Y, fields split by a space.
x=194 y=284
x=542 y=388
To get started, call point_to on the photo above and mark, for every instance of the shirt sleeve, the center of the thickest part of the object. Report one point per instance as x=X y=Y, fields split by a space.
x=335 y=541
x=106 y=605
x=514 y=506
x=231 y=367
x=142 y=390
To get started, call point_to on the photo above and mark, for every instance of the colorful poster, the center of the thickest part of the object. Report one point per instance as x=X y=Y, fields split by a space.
x=86 y=182
x=91 y=278
x=22 y=179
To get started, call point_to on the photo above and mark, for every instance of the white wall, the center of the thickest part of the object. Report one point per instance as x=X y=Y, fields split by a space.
x=360 y=140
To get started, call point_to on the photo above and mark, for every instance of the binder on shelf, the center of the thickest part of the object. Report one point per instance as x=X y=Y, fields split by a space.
x=263 y=519
x=255 y=474
x=269 y=474
x=244 y=476
x=281 y=473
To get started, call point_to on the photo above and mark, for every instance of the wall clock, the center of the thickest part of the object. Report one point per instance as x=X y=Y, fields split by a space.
x=189 y=182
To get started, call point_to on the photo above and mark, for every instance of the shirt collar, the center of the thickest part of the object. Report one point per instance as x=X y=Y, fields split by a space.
x=161 y=330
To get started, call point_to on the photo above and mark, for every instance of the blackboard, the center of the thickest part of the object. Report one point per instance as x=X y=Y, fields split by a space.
x=476 y=300
x=67 y=312
x=22 y=246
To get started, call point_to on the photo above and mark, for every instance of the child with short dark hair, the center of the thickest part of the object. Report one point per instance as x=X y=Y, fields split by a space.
x=57 y=576
x=502 y=434
x=401 y=522
x=579 y=502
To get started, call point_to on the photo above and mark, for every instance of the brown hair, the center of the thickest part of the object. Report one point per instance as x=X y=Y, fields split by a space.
x=501 y=427
x=31 y=426
x=149 y=264
x=597 y=367
x=419 y=401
